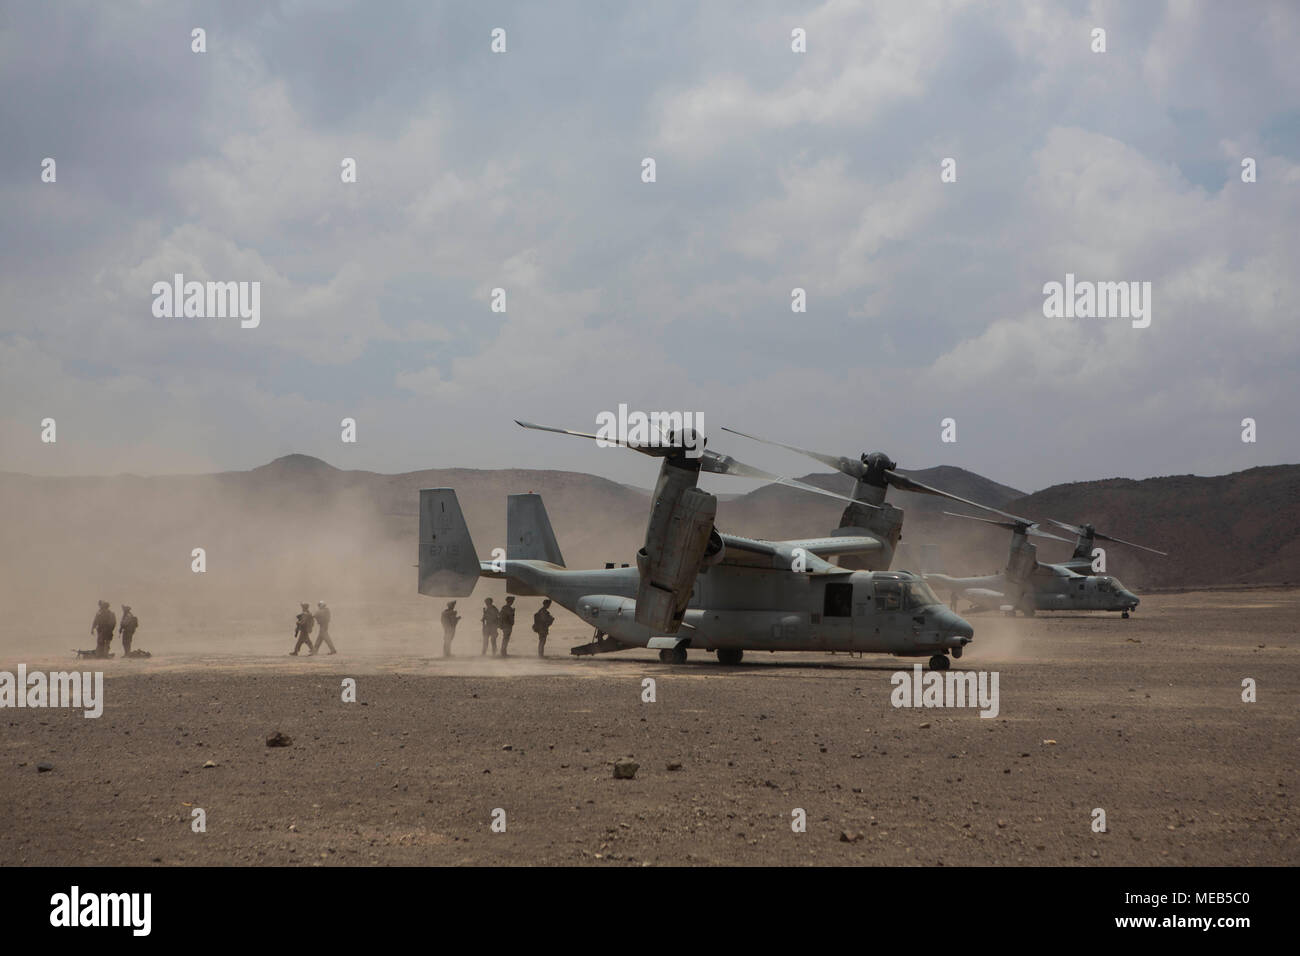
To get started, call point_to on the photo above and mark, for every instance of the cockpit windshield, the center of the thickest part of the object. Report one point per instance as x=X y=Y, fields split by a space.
x=920 y=594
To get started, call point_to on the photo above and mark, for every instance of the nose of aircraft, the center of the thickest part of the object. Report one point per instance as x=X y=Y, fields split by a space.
x=948 y=620
x=1130 y=598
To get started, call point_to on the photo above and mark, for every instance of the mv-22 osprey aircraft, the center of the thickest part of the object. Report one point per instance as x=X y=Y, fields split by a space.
x=1028 y=586
x=694 y=586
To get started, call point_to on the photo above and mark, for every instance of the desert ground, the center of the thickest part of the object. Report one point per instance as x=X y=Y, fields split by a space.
x=1143 y=718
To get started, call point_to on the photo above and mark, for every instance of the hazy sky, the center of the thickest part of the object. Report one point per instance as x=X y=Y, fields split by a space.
x=523 y=170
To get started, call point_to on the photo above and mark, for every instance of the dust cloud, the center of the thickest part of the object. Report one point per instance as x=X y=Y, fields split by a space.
x=293 y=531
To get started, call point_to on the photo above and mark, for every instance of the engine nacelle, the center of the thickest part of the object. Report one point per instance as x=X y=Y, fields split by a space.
x=715 y=551
x=677 y=541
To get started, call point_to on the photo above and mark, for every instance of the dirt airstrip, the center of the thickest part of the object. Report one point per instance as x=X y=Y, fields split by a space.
x=1141 y=718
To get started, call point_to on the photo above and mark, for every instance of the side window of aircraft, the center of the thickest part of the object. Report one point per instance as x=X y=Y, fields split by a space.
x=839 y=600
x=889 y=595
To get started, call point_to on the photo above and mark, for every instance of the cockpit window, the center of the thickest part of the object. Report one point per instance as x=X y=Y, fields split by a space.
x=920 y=594
x=889 y=596
x=1104 y=584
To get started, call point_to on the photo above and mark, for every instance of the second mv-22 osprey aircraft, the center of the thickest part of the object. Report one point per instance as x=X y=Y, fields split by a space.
x=1025 y=585
x=696 y=587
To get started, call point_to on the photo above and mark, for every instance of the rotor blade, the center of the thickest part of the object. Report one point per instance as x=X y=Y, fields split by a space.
x=1027 y=527
x=1105 y=537
x=654 y=451
x=847 y=466
x=718 y=464
x=905 y=483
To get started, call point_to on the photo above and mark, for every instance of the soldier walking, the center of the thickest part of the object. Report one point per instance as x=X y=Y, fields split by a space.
x=103 y=625
x=542 y=622
x=129 y=623
x=303 y=631
x=449 y=621
x=491 y=620
x=507 y=619
x=323 y=635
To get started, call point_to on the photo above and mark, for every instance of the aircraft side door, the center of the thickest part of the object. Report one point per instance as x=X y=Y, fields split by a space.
x=837 y=615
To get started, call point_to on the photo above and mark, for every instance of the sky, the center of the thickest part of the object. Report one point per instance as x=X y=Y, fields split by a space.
x=774 y=169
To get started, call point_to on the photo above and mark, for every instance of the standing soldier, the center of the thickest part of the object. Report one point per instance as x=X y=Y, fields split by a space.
x=507 y=623
x=449 y=621
x=323 y=635
x=303 y=631
x=542 y=622
x=129 y=623
x=491 y=619
x=103 y=625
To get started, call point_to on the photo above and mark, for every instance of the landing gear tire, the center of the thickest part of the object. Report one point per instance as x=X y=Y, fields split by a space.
x=939 y=662
x=1124 y=615
x=665 y=656
x=678 y=655
x=730 y=655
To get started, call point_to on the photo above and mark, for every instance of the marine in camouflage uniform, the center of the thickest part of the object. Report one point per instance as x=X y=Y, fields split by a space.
x=507 y=620
x=129 y=623
x=491 y=621
x=103 y=625
x=323 y=635
x=449 y=621
x=303 y=631
x=542 y=622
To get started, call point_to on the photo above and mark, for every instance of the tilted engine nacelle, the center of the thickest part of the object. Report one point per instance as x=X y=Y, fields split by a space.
x=678 y=542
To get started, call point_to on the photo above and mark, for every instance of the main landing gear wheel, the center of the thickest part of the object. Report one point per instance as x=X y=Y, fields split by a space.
x=730 y=655
x=673 y=655
x=939 y=662
x=664 y=656
x=1125 y=614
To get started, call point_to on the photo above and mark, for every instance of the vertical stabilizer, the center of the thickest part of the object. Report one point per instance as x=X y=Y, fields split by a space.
x=449 y=566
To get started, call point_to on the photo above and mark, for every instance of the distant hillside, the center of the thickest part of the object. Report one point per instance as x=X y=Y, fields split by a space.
x=298 y=528
x=1242 y=528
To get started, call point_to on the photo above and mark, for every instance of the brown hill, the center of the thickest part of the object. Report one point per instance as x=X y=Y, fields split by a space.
x=298 y=529
x=1242 y=528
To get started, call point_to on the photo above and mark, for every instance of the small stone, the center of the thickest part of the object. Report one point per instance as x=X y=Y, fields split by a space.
x=209 y=763
x=44 y=767
x=278 y=739
x=850 y=836
x=674 y=765
x=926 y=725
x=625 y=768
x=508 y=747
x=1049 y=743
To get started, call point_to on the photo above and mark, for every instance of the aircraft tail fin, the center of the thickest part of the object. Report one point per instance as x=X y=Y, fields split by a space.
x=528 y=531
x=449 y=566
